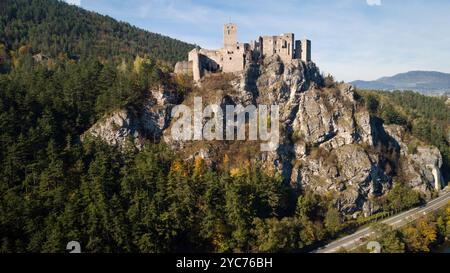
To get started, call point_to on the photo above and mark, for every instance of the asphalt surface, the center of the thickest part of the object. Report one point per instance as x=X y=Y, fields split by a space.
x=396 y=221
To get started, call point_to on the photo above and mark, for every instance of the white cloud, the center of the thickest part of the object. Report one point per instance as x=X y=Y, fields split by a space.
x=74 y=2
x=374 y=2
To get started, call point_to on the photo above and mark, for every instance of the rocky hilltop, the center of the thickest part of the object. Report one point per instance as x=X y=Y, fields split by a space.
x=329 y=144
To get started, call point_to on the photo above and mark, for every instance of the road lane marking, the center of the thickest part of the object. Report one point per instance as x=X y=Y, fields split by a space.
x=406 y=218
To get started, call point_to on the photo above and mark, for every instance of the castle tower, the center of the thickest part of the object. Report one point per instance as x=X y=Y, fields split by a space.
x=229 y=35
x=194 y=57
x=306 y=51
x=285 y=47
x=298 y=49
x=234 y=56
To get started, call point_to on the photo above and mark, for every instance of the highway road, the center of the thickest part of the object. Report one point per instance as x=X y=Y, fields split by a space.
x=355 y=240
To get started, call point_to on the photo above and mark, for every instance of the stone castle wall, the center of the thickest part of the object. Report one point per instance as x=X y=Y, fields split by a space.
x=282 y=45
x=234 y=55
x=305 y=50
x=184 y=67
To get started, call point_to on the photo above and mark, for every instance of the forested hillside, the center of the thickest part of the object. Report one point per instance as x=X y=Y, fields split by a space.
x=52 y=27
x=55 y=188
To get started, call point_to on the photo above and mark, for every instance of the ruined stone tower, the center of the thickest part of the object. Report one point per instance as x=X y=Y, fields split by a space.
x=234 y=55
x=306 y=50
x=229 y=35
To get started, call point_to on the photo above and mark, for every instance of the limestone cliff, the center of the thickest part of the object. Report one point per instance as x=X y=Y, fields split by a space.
x=136 y=124
x=329 y=142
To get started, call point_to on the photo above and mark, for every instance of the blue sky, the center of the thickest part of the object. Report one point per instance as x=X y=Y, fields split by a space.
x=351 y=39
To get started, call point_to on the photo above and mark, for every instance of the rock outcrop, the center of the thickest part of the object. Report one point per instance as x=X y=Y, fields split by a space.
x=420 y=164
x=329 y=142
x=136 y=124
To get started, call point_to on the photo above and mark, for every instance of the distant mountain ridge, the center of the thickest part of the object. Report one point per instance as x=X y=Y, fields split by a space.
x=422 y=81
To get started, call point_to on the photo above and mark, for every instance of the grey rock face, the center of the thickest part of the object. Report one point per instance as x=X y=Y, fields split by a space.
x=333 y=146
x=115 y=129
x=134 y=125
x=329 y=144
x=419 y=165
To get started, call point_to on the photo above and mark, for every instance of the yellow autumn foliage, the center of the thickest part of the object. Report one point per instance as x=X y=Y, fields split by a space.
x=24 y=49
x=236 y=172
x=139 y=62
x=177 y=168
x=428 y=231
x=137 y=65
x=199 y=166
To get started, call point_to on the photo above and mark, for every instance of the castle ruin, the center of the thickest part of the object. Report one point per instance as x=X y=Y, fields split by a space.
x=234 y=55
